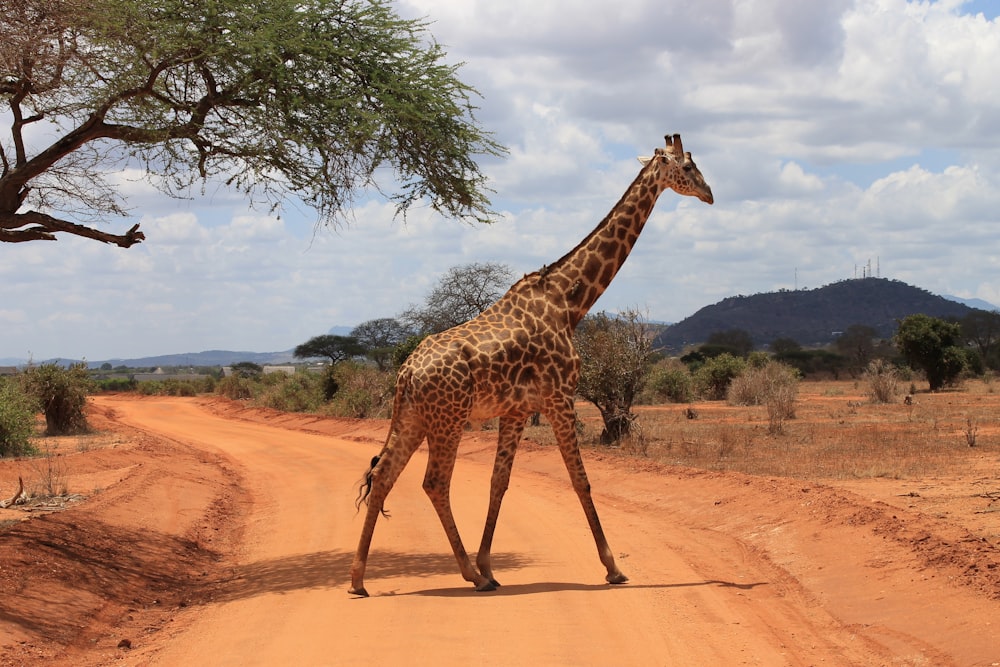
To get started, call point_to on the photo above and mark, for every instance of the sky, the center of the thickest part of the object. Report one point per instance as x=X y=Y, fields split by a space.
x=833 y=134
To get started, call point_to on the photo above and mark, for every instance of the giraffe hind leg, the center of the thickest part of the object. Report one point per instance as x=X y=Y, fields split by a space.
x=379 y=480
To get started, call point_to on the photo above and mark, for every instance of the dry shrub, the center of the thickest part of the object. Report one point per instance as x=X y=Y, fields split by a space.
x=824 y=440
x=774 y=384
x=361 y=391
x=883 y=381
x=780 y=406
x=636 y=443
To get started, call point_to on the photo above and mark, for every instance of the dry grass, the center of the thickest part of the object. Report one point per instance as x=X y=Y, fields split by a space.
x=837 y=433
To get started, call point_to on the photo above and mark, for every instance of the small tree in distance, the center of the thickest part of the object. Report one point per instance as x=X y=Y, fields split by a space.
x=932 y=345
x=379 y=339
x=247 y=369
x=857 y=344
x=334 y=348
x=62 y=394
x=461 y=293
x=615 y=355
x=981 y=328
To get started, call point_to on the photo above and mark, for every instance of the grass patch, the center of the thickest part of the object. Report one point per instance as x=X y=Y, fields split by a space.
x=837 y=433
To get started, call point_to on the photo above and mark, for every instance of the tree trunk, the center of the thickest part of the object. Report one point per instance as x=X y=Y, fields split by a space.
x=617 y=423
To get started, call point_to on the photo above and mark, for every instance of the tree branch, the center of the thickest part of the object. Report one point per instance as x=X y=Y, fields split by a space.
x=46 y=226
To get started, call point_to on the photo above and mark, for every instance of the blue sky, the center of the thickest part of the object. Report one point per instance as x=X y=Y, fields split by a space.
x=832 y=134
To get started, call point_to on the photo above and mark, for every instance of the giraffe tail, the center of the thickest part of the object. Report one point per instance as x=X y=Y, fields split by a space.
x=365 y=489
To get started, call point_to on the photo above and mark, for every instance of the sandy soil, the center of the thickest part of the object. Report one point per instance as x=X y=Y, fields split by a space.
x=213 y=534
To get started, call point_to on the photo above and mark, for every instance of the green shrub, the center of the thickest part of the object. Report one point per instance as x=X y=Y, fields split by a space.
x=712 y=379
x=62 y=395
x=291 y=393
x=115 y=384
x=175 y=387
x=668 y=380
x=17 y=420
x=235 y=387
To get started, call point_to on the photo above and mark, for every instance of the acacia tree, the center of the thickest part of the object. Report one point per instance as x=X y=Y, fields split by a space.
x=284 y=99
x=461 y=294
x=336 y=348
x=379 y=338
x=615 y=356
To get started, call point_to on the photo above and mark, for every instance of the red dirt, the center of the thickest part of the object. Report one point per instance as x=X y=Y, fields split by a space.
x=212 y=533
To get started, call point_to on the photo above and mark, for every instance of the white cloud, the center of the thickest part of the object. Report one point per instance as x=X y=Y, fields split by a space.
x=831 y=133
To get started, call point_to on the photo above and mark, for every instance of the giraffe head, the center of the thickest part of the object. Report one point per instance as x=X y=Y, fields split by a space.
x=678 y=171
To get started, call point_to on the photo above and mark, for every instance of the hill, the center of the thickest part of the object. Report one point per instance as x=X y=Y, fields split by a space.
x=207 y=358
x=811 y=317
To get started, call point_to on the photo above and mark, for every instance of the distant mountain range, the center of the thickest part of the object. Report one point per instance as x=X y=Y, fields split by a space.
x=207 y=358
x=813 y=317
x=972 y=303
x=810 y=317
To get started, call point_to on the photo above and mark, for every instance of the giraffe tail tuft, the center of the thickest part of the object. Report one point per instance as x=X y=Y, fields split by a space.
x=366 y=486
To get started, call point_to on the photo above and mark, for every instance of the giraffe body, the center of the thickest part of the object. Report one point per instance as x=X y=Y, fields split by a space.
x=515 y=359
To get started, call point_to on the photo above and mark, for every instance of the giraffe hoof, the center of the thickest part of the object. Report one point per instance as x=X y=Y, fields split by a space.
x=359 y=591
x=488 y=585
x=616 y=578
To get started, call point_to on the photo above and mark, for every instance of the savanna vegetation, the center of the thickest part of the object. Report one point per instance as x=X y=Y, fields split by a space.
x=852 y=409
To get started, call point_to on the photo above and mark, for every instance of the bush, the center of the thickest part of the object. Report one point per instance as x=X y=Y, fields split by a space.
x=62 y=395
x=235 y=387
x=175 y=387
x=774 y=384
x=362 y=391
x=292 y=393
x=757 y=384
x=115 y=384
x=712 y=379
x=883 y=381
x=668 y=380
x=17 y=420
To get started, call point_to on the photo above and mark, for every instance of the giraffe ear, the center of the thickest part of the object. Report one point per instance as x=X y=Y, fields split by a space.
x=644 y=160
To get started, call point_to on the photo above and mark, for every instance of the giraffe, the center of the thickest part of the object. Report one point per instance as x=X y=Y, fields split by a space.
x=513 y=360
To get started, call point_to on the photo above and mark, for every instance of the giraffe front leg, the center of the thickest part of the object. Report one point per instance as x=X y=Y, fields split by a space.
x=437 y=485
x=563 y=424
x=511 y=429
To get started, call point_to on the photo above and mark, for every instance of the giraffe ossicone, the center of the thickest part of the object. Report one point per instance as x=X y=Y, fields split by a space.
x=515 y=359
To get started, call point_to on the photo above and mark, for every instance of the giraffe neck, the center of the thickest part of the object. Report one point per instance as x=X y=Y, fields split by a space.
x=585 y=272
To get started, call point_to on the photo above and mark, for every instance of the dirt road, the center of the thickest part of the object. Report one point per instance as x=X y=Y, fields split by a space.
x=724 y=569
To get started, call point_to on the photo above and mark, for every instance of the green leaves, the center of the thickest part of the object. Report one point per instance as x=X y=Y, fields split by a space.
x=932 y=345
x=281 y=99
